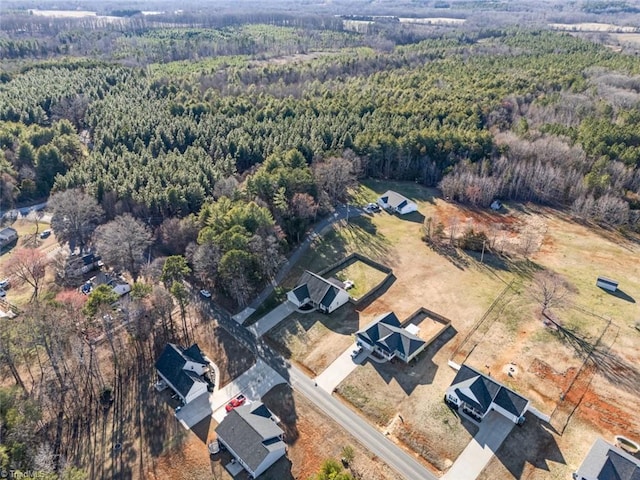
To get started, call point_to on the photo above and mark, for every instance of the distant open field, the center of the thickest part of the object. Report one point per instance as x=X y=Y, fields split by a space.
x=632 y=38
x=593 y=27
x=433 y=20
x=62 y=13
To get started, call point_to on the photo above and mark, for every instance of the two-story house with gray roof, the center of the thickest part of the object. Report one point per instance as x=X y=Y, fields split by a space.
x=253 y=437
x=325 y=295
x=607 y=462
x=385 y=336
x=477 y=394
x=182 y=369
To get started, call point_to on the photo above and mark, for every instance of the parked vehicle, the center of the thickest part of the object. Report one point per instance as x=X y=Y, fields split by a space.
x=356 y=352
x=3 y=293
x=45 y=234
x=235 y=402
x=5 y=284
x=205 y=293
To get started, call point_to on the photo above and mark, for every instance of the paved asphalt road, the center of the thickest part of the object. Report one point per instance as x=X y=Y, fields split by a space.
x=13 y=213
x=402 y=462
x=342 y=212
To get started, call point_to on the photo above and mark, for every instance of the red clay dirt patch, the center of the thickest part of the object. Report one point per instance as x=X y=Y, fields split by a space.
x=546 y=372
x=602 y=412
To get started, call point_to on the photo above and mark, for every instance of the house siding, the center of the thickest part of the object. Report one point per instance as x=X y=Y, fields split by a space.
x=197 y=390
x=270 y=460
x=293 y=299
x=341 y=298
x=503 y=412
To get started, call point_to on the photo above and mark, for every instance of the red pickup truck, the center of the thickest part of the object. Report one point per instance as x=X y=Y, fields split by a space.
x=235 y=402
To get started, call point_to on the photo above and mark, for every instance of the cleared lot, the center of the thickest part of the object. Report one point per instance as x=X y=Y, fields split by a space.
x=544 y=364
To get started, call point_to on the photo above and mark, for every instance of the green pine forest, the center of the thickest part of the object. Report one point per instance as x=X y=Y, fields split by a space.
x=504 y=113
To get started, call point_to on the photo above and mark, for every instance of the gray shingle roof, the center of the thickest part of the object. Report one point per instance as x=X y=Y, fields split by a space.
x=386 y=332
x=607 y=462
x=320 y=290
x=171 y=365
x=250 y=432
x=301 y=292
x=479 y=391
x=194 y=354
x=394 y=199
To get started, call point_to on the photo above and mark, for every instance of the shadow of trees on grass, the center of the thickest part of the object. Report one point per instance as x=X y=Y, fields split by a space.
x=614 y=368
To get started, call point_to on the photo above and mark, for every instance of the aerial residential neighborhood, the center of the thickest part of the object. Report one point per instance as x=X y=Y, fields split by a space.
x=338 y=240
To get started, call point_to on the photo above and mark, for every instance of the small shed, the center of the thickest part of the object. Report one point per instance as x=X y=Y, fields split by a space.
x=607 y=284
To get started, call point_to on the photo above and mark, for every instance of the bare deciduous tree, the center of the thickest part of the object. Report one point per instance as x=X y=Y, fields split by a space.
x=27 y=265
x=334 y=176
x=176 y=233
x=205 y=259
x=123 y=243
x=75 y=216
x=549 y=290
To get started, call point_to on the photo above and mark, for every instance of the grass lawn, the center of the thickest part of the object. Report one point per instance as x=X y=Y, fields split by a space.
x=314 y=340
x=20 y=295
x=364 y=277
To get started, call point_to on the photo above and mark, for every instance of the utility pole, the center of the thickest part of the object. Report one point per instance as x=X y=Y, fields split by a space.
x=482 y=255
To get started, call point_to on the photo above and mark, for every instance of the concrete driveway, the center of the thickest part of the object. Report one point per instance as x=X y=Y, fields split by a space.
x=253 y=383
x=273 y=318
x=494 y=428
x=339 y=369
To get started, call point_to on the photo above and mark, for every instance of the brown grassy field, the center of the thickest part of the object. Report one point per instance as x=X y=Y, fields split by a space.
x=21 y=294
x=546 y=363
x=314 y=340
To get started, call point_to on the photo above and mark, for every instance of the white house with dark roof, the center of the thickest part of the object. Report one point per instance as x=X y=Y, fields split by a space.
x=325 y=295
x=252 y=436
x=182 y=370
x=477 y=394
x=385 y=336
x=607 y=462
x=120 y=287
x=400 y=204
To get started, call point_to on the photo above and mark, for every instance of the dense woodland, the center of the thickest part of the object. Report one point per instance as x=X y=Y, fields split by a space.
x=208 y=150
